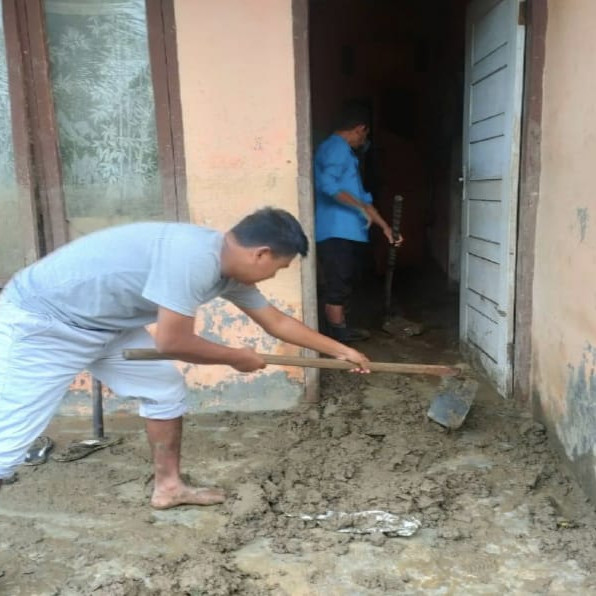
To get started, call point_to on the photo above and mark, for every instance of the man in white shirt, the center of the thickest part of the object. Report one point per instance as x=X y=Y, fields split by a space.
x=81 y=306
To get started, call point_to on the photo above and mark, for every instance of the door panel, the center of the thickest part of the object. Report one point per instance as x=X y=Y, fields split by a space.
x=484 y=276
x=487 y=129
x=487 y=158
x=493 y=93
x=490 y=63
x=483 y=190
x=491 y=28
x=482 y=215
x=488 y=96
x=484 y=248
x=483 y=332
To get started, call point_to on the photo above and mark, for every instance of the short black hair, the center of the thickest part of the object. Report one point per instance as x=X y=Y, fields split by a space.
x=353 y=114
x=275 y=228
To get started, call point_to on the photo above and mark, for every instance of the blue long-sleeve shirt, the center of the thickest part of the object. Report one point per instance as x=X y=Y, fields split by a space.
x=336 y=170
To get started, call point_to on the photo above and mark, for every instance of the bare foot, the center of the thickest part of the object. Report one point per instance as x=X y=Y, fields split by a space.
x=185 y=495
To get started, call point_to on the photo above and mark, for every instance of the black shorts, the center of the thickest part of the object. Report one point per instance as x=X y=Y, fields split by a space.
x=340 y=264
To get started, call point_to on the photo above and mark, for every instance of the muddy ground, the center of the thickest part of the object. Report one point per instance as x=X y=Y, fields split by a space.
x=498 y=514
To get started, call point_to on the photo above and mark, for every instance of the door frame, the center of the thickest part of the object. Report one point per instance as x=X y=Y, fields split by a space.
x=43 y=130
x=24 y=174
x=163 y=58
x=308 y=272
x=536 y=20
x=535 y=15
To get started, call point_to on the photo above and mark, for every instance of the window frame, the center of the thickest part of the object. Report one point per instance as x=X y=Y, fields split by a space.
x=19 y=118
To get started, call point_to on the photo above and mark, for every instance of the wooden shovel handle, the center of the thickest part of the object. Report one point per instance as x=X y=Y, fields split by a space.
x=331 y=363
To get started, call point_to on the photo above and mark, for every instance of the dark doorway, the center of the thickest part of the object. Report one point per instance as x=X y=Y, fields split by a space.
x=405 y=60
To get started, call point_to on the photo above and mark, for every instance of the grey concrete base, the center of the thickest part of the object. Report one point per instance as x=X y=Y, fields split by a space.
x=266 y=392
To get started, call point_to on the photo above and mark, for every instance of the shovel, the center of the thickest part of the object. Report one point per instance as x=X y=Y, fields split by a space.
x=438 y=370
x=449 y=408
x=453 y=402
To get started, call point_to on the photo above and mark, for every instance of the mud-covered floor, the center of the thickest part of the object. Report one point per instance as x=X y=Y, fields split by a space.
x=498 y=514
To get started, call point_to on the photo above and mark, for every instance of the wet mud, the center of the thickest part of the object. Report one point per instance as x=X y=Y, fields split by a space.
x=498 y=513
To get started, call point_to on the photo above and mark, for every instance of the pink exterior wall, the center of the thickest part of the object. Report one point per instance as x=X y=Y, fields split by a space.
x=236 y=68
x=236 y=61
x=564 y=295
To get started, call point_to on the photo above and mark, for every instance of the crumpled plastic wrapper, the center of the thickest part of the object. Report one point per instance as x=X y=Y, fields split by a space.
x=365 y=522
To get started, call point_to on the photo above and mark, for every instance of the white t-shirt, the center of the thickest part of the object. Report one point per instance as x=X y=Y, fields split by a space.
x=116 y=278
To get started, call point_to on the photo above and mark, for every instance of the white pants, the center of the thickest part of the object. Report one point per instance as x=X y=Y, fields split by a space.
x=40 y=357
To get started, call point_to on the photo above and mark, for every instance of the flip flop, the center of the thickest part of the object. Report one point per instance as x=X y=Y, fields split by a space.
x=39 y=451
x=81 y=449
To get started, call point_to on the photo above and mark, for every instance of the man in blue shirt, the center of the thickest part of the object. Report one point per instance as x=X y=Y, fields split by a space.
x=343 y=215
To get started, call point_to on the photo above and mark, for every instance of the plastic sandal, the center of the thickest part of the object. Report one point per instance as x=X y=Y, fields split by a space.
x=39 y=451
x=81 y=449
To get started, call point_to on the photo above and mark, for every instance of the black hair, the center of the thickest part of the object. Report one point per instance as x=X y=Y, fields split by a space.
x=352 y=115
x=275 y=228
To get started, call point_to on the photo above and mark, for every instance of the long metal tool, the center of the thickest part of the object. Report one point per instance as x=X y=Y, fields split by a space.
x=398 y=202
x=395 y=324
x=97 y=399
x=439 y=370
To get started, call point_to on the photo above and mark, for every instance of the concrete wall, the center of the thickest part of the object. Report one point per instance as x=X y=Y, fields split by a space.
x=236 y=68
x=564 y=293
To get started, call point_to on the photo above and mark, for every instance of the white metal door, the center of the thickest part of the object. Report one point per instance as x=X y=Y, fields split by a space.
x=491 y=145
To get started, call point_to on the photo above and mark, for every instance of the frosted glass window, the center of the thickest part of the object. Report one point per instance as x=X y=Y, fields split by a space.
x=103 y=98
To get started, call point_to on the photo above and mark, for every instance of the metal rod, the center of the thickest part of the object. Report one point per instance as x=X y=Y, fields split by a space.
x=392 y=257
x=96 y=394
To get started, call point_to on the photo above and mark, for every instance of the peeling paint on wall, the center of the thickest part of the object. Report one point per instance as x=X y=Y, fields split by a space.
x=245 y=393
x=575 y=428
x=265 y=392
x=217 y=387
x=582 y=219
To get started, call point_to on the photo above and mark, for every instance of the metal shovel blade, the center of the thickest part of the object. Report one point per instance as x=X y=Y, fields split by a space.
x=451 y=406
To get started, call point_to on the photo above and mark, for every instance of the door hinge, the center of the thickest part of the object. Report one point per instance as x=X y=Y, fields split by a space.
x=522 y=14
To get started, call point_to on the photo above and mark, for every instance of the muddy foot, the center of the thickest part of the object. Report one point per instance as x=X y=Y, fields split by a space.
x=188 y=496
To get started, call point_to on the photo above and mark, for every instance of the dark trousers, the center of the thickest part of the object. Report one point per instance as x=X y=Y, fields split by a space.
x=340 y=266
